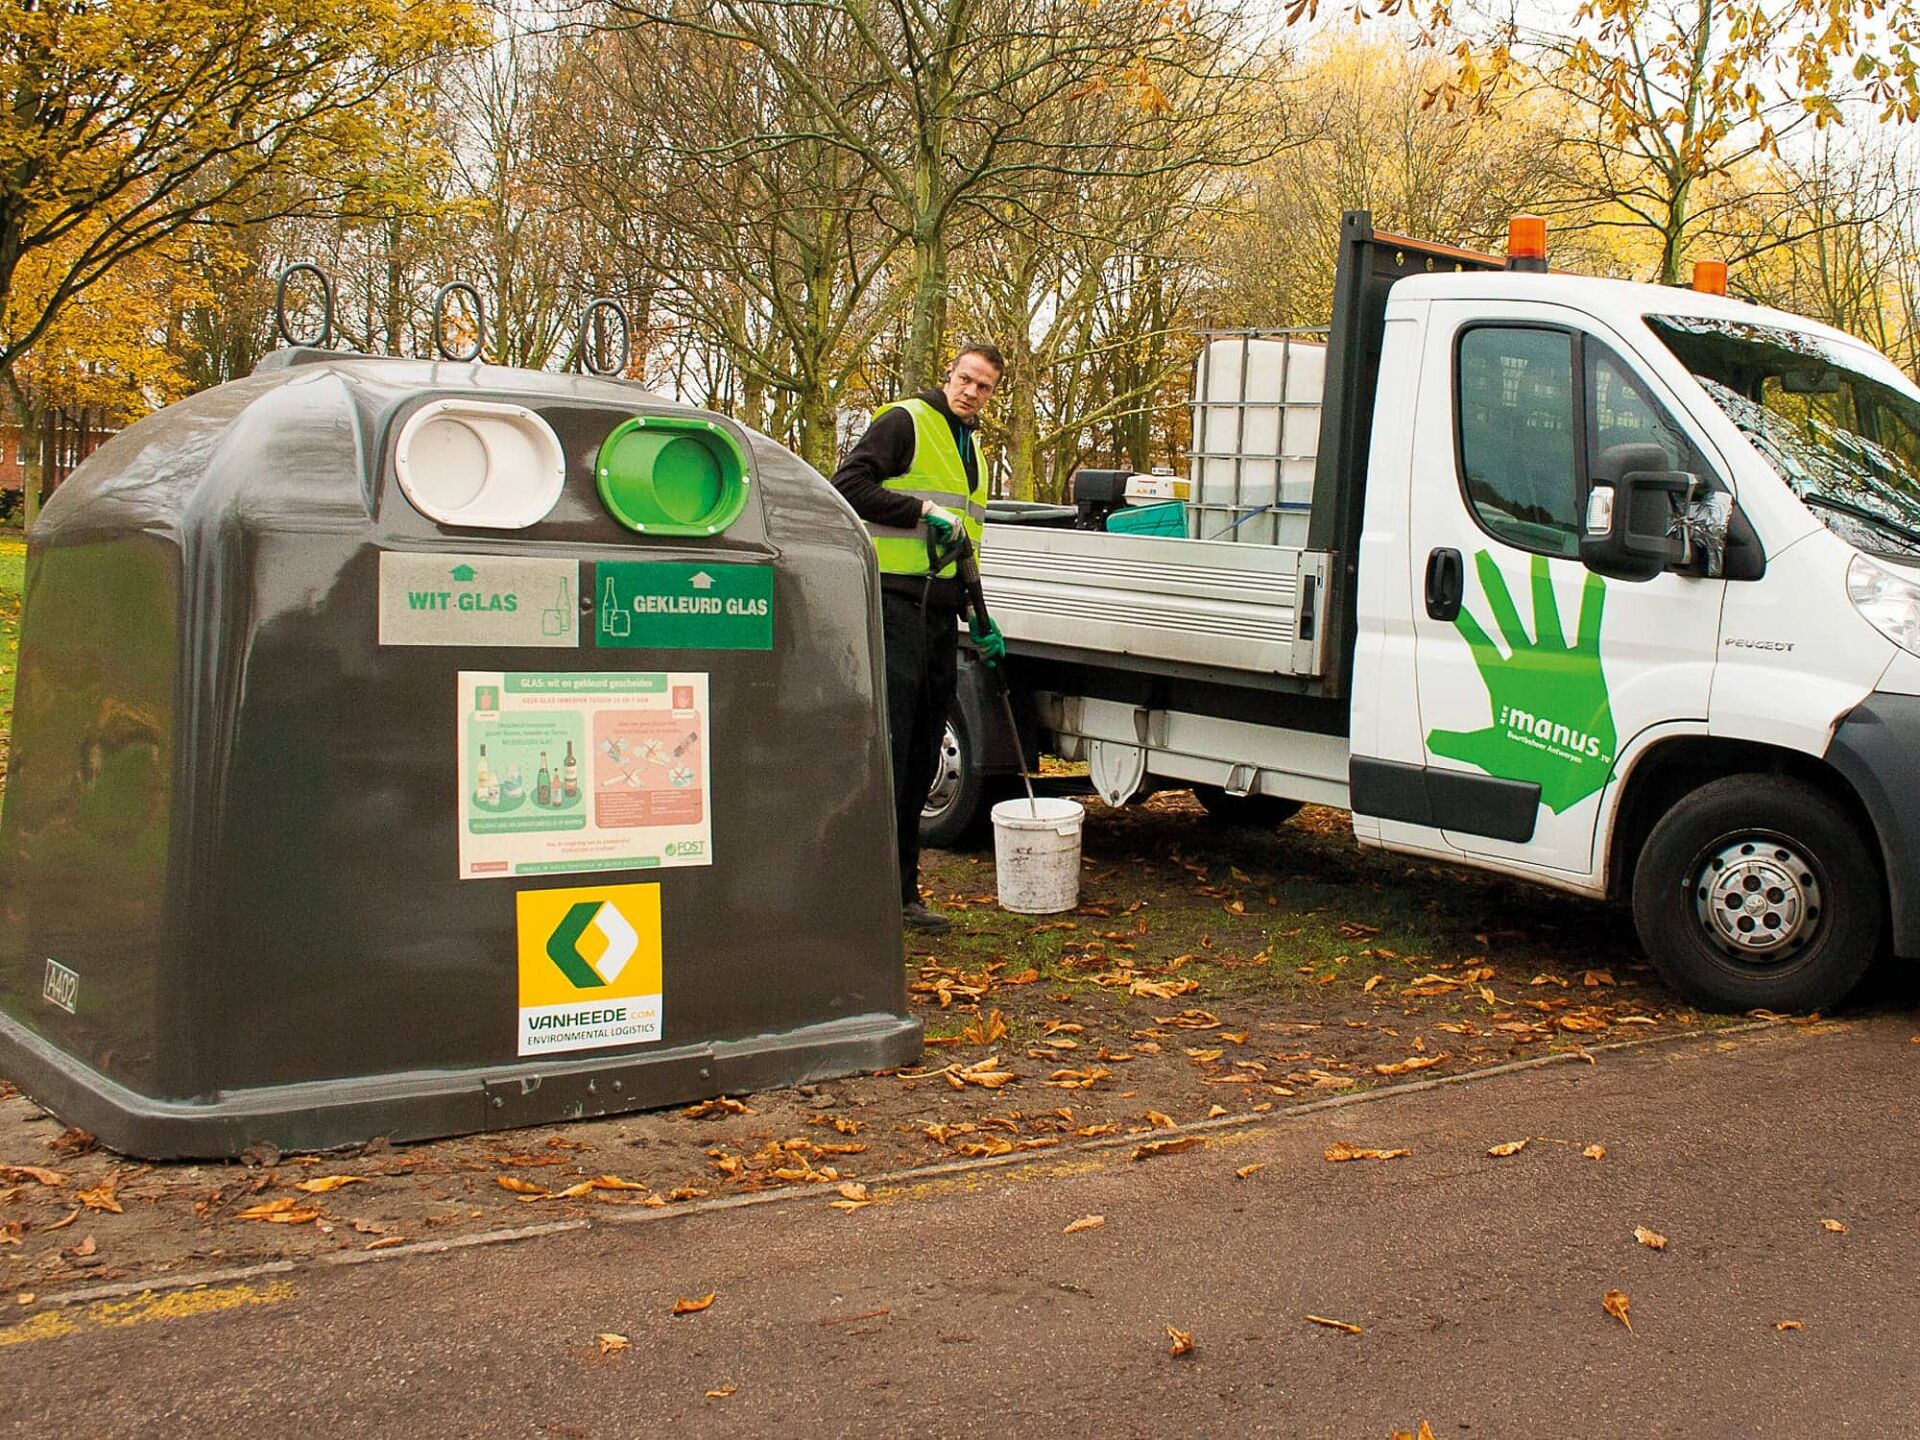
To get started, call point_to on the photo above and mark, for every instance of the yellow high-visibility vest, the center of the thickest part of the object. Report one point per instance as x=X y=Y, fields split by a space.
x=939 y=475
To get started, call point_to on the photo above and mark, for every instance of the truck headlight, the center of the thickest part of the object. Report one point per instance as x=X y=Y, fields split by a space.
x=1888 y=600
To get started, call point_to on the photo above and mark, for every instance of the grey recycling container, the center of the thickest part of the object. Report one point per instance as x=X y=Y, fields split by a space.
x=406 y=748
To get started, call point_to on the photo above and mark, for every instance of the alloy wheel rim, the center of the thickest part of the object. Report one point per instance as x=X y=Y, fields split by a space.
x=1758 y=898
x=946 y=775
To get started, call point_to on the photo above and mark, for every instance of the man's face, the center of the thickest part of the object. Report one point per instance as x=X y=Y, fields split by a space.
x=970 y=384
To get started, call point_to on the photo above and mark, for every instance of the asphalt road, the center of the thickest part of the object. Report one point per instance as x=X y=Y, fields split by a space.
x=958 y=1307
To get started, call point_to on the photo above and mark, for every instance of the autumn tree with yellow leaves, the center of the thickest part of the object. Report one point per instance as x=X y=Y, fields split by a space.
x=1668 y=102
x=129 y=121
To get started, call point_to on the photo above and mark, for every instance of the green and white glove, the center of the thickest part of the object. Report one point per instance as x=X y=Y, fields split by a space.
x=942 y=522
x=987 y=638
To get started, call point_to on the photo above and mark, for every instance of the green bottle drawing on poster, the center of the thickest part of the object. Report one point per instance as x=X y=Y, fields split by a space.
x=1552 y=719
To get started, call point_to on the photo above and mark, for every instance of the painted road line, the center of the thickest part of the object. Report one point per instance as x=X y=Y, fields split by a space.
x=142 y=1309
x=186 y=1281
x=459 y=1242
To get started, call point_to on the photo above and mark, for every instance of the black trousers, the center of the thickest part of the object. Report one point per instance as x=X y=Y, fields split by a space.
x=922 y=646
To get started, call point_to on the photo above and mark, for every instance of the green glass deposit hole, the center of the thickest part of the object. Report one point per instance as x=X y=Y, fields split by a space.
x=664 y=475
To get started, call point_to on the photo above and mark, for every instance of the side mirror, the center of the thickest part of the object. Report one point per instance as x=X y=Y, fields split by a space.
x=1628 y=534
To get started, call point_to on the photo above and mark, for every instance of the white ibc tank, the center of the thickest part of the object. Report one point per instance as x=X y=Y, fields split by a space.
x=1256 y=432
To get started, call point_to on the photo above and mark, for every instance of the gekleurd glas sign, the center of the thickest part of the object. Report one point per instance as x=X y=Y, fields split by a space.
x=648 y=605
x=566 y=772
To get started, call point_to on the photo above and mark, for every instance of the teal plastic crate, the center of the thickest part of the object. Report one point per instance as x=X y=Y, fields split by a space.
x=1167 y=518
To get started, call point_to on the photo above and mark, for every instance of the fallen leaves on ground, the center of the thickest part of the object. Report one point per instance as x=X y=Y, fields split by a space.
x=1164 y=989
x=1085 y=1222
x=1788 y=1325
x=1411 y=1063
x=719 y=1105
x=610 y=1342
x=1616 y=1304
x=38 y=1174
x=518 y=1186
x=984 y=1073
x=101 y=1197
x=1423 y=1432
x=721 y=1392
x=1595 y=1152
x=1078 y=1079
x=853 y=1196
x=1510 y=1147
x=985 y=1029
x=684 y=1306
x=320 y=1185
x=1343 y=1326
x=284 y=1211
x=1341 y=1150
x=1182 y=1341
x=73 y=1141
x=1834 y=1225
x=1167 y=1147
x=1245 y=1170
x=1652 y=1239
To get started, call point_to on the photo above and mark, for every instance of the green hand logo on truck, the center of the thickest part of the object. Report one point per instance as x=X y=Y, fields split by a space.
x=1552 y=720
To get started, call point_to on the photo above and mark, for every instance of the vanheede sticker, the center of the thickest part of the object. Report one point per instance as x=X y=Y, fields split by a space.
x=589 y=967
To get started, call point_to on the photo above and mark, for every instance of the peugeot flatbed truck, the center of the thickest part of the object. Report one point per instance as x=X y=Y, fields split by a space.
x=1614 y=587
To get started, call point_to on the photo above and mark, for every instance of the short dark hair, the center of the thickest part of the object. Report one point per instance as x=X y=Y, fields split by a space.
x=985 y=349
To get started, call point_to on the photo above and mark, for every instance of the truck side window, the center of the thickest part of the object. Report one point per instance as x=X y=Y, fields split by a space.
x=1516 y=433
x=1620 y=412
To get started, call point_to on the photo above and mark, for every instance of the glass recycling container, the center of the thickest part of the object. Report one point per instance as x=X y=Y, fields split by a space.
x=405 y=748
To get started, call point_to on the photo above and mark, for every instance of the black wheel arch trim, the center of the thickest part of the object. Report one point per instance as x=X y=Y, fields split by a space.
x=1876 y=749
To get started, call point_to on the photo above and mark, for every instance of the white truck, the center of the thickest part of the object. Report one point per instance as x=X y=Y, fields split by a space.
x=1610 y=586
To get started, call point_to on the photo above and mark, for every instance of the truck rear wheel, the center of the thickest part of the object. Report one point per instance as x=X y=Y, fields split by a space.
x=1757 y=891
x=1247 y=812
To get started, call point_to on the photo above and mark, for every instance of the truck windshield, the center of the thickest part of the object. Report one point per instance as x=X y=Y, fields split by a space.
x=1847 y=442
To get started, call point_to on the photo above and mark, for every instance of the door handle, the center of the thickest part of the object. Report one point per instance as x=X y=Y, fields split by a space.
x=1446 y=583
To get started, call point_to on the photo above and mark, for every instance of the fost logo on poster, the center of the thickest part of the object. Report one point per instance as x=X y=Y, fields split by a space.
x=590 y=967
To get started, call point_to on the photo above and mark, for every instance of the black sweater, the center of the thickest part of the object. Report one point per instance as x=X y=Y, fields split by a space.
x=885 y=452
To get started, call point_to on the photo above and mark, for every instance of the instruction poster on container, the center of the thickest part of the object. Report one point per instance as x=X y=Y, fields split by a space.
x=562 y=773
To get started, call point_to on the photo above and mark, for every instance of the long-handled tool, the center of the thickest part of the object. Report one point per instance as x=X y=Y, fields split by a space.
x=958 y=552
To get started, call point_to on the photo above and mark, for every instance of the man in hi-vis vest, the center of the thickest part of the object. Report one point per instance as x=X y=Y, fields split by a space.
x=917 y=471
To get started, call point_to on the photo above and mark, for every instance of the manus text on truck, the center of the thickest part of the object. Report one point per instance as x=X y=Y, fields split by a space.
x=1611 y=586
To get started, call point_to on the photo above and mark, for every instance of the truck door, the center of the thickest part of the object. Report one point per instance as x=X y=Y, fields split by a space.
x=1532 y=673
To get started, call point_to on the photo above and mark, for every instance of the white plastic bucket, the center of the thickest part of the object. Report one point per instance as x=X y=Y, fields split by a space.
x=1036 y=854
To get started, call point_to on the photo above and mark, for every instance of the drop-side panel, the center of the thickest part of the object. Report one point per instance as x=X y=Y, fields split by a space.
x=1234 y=607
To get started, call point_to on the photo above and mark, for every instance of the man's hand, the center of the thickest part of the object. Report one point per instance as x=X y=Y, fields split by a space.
x=987 y=638
x=942 y=522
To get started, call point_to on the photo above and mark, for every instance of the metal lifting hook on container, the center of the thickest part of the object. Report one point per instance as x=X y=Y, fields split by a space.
x=600 y=319
x=958 y=552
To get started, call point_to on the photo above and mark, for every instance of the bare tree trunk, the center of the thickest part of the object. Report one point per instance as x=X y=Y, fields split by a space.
x=921 y=361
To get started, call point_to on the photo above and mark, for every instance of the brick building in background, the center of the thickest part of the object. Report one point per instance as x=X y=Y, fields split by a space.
x=74 y=438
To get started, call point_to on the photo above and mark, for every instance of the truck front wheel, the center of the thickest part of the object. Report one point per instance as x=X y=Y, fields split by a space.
x=1757 y=891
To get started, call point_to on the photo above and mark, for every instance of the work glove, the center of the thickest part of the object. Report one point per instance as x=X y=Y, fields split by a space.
x=987 y=638
x=942 y=522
